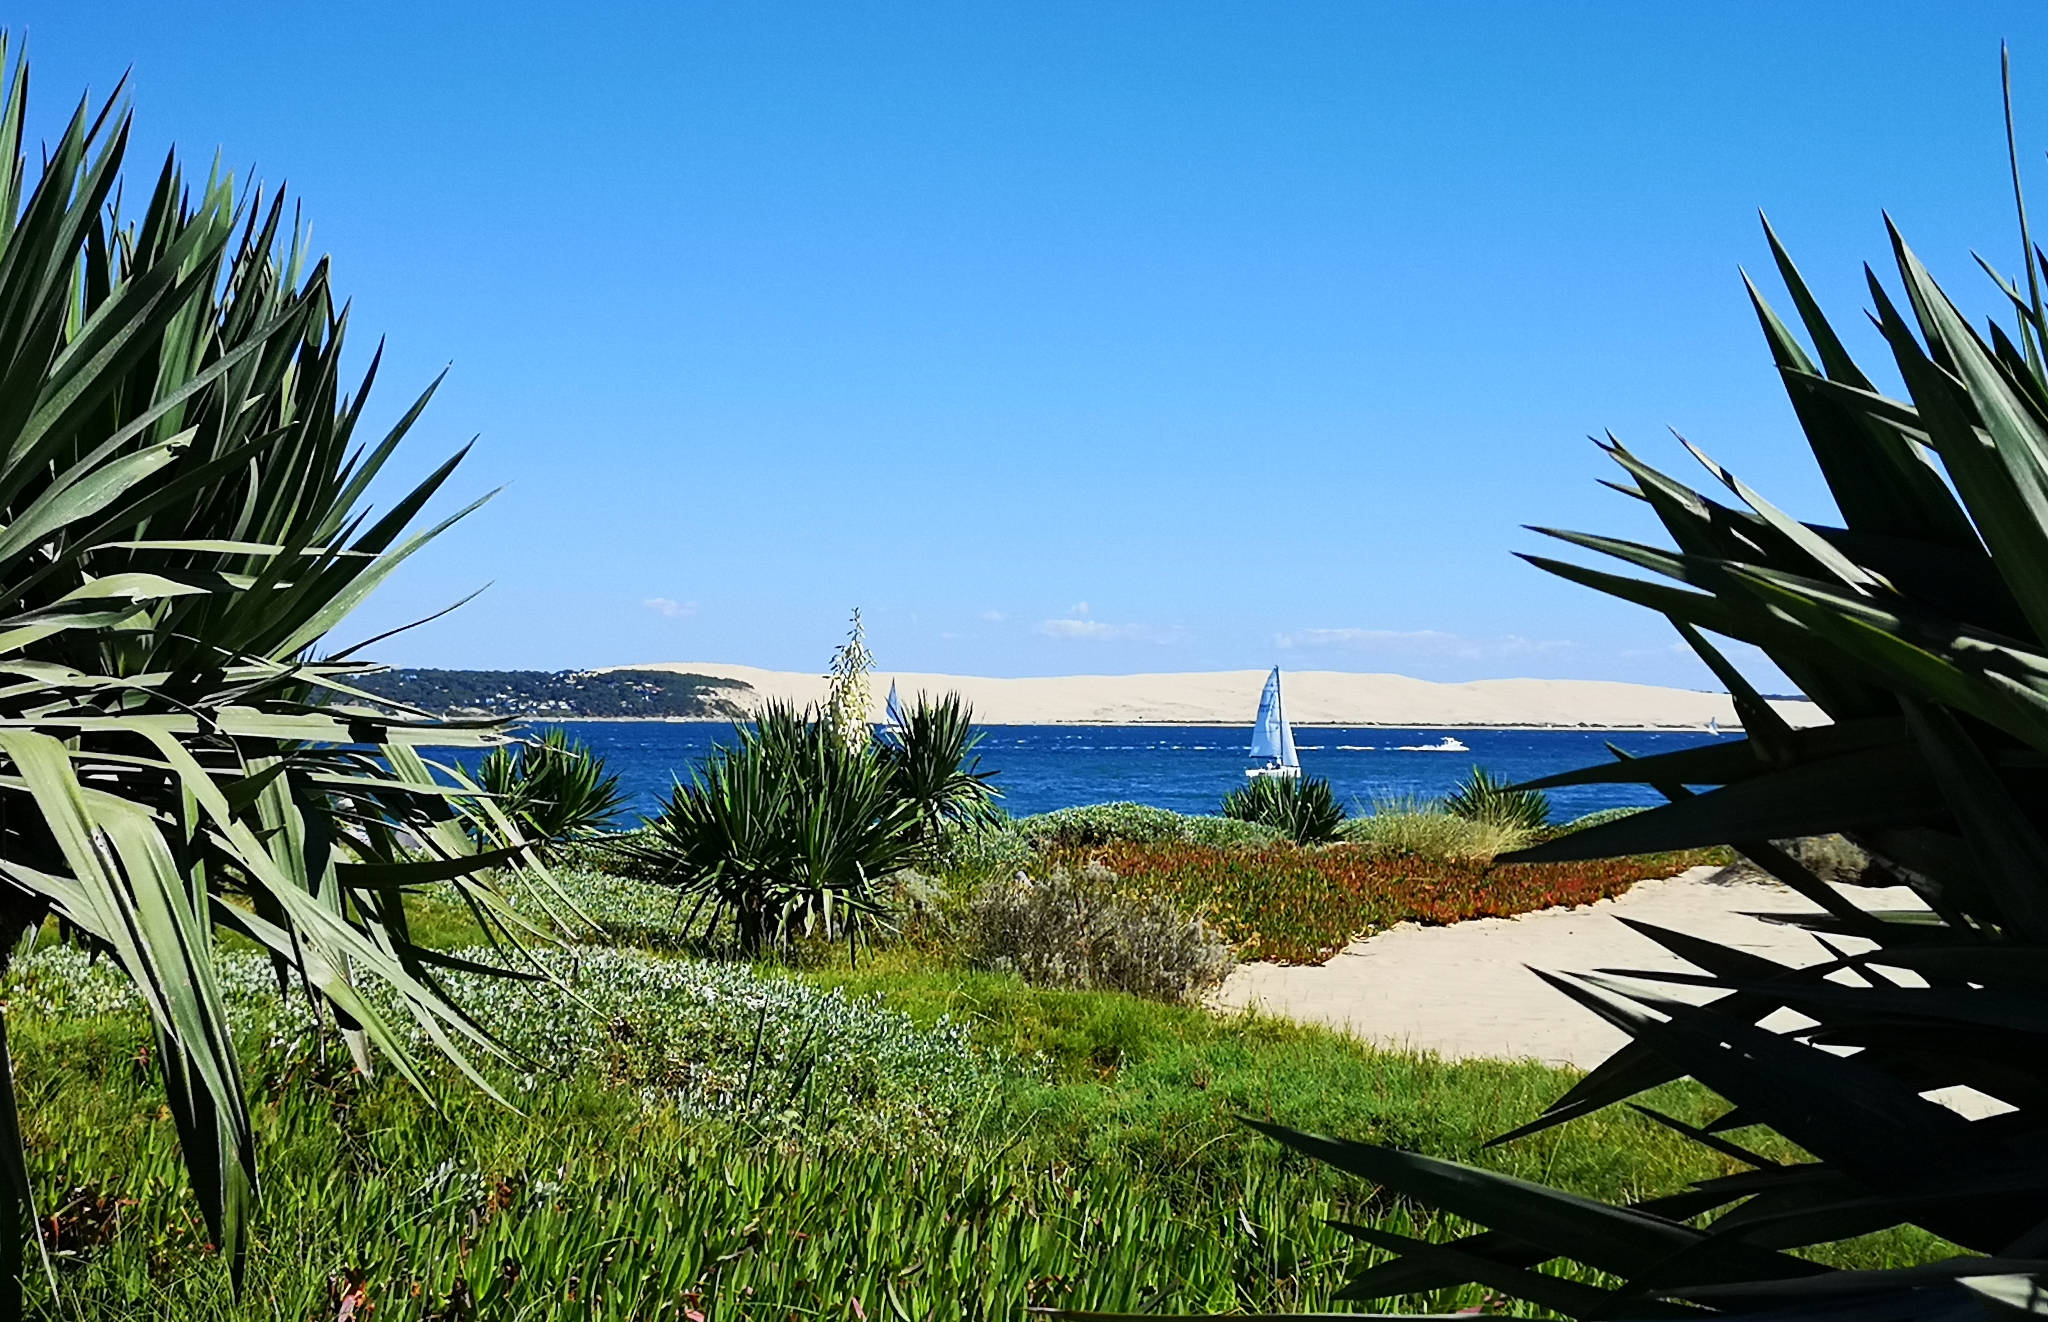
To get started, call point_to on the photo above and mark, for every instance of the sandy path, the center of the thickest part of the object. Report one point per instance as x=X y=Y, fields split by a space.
x=1464 y=990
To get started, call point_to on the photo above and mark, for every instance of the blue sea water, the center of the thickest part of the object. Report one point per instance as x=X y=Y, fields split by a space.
x=1190 y=768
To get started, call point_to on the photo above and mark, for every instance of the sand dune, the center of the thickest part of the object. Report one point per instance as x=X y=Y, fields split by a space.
x=1466 y=990
x=1314 y=697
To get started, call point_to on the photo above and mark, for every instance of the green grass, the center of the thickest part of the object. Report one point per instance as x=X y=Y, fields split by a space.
x=904 y=1140
x=1159 y=1087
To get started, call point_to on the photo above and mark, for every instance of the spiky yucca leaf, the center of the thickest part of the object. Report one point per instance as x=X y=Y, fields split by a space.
x=928 y=749
x=556 y=790
x=181 y=524
x=1919 y=625
x=1304 y=807
x=1485 y=797
x=784 y=832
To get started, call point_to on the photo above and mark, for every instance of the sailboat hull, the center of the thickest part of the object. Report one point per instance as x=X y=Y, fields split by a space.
x=1284 y=773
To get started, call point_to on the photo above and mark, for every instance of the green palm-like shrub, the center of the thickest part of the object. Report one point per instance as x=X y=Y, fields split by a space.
x=1302 y=807
x=785 y=832
x=181 y=526
x=1080 y=929
x=929 y=752
x=554 y=788
x=1484 y=797
x=1919 y=625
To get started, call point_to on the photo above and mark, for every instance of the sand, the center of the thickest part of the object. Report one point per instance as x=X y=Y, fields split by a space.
x=1314 y=697
x=1466 y=990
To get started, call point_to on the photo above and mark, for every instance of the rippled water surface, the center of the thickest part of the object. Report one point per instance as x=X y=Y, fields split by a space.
x=1190 y=768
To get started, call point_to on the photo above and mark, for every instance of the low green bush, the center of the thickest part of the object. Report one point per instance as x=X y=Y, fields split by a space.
x=1598 y=817
x=1302 y=807
x=1080 y=929
x=974 y=850
x=1141 y=824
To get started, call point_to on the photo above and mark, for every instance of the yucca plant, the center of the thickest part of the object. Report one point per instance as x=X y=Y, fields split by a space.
x=181 y=525
x=787 y=831
x=1304 y=807
x=846 y=685
x=555 y=789
x=928 y=749
x=1485 y=797
x=1919 y=625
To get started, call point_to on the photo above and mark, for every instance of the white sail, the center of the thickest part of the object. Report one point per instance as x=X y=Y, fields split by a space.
x=1272 y=736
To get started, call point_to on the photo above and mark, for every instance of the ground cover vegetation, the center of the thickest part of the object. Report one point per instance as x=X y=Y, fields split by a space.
x=1303 y=906
x=1919 y=624
x=909 y=1138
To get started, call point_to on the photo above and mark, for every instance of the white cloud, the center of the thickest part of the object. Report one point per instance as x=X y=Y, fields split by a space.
x=669 y=608
x=1078 y=608
x=1073 y=626
x=992 y=616
x=1418 y=642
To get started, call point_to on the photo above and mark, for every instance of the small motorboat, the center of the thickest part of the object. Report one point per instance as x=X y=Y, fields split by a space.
x=1448 y=744
x=1272 y=736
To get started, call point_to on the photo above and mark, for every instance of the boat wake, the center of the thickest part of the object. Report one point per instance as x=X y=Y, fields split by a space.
x=1448 y=744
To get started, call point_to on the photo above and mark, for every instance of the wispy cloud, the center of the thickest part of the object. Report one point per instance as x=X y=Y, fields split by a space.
x=992 y=616
x=669 y=608
x=1076 y=626
x=1419 y=642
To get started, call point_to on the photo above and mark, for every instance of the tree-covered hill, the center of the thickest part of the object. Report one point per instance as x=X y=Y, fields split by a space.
x=561 y=693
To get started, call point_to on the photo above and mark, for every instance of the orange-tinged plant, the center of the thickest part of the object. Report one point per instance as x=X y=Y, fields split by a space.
x=1301 y=906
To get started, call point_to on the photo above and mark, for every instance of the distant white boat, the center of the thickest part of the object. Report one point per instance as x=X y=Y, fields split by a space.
x=1713 y=726
x=1272 y=736
x=1448 y=744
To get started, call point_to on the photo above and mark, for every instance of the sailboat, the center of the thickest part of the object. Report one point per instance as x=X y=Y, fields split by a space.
x=1272 y=736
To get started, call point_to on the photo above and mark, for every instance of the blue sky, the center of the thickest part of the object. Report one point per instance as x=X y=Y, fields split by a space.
x=1065 y=338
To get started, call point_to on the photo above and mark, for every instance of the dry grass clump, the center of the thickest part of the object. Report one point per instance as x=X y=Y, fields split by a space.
x=1080 y=929
x=1425 y=830
x=1832 y=858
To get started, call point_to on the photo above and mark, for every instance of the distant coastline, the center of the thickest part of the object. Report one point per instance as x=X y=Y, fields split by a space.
x=716 y=692
x=1315 y=698
x=1728 y=727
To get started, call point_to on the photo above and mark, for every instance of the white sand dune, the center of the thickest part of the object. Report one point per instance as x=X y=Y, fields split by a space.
x=1314 y=697
x=1466 y=990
